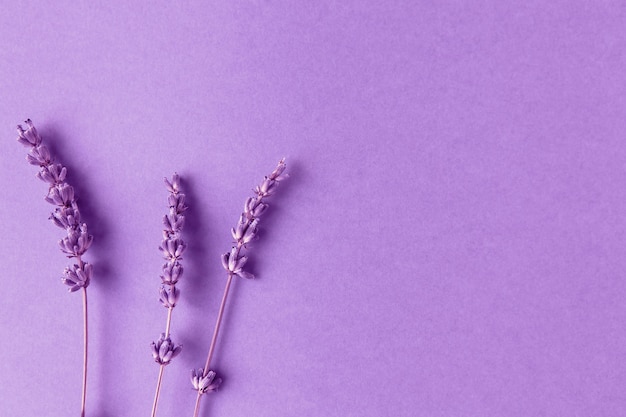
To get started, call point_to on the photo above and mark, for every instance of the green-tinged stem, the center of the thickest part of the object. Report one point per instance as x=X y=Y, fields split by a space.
x=86 y=339
x=162 y=367
x=216 y=331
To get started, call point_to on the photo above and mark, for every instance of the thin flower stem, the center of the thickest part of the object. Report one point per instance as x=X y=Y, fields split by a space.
x=158 y=391
x=169 y=321
x=86 y=339
x=218 y=323
x=195 y=411
x=216 y=331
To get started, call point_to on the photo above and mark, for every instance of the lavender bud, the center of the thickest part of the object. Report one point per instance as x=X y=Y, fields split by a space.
x=250 y=204
x=52 y=174
x=77 y=277
x=277 y=174
x=177 y=202
x=61 y=195
x=173 y=186
x=245 y=274
x=224 y=259
x=76 y=242
x=66 y=217
x=258 y=210
x=250 y=233
x=30 y=136
x=169 y=296
x=173 y=249
x=39 y=155
x=172 y=271
x=173 y=223
x=202 y=383
x=234 y=263
x=163 y=350
x=67 y=193
x=266 y=188
x=54 y=196
x=240 y=230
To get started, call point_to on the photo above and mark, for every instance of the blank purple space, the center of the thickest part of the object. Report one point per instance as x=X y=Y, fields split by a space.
x=450 y=242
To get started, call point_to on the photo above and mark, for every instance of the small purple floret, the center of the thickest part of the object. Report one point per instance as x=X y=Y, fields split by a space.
x=169 y=296
x=77 y=277
x=204 y=383
x=163 y=350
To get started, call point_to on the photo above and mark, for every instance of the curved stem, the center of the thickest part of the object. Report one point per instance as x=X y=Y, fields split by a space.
x=86 y=339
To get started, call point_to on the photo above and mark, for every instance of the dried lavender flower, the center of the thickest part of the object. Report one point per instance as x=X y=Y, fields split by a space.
x=66 y=216
x=244 y=232
x=172 y=248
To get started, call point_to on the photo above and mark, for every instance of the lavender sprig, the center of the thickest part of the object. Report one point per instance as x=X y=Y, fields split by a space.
x=172 y=248
x=66 y=215
x=204 y=379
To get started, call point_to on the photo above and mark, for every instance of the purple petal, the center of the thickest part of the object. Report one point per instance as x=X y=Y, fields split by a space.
x=224 y=259
x=244 y=274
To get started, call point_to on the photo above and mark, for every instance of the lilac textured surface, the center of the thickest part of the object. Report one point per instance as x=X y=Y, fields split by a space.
x=450 y=242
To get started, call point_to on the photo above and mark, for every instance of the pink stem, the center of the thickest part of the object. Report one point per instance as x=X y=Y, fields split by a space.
x=86 y=338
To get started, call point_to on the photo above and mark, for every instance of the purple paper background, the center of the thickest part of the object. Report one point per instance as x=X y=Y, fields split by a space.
x=450 y=242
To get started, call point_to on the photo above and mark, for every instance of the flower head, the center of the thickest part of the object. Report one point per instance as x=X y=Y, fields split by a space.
x=169 y=296
x=205 y=383
x=77 y=276
x=173 y=186
x=163 y=350
x=76 y=242
x=66 y=217
x=28 y=136
x=172 y=271
x=53 y=174
x=172 y=249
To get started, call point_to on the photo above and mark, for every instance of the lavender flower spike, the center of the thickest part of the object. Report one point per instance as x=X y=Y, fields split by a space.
x=247 y=226
x=172 y=249
x=244 y=232
x=66 y=216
